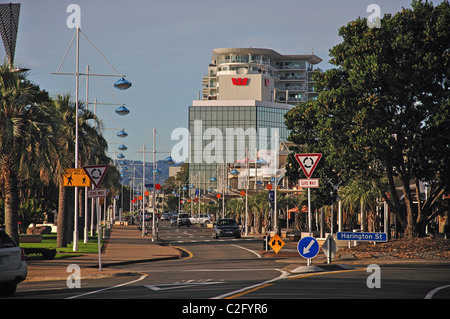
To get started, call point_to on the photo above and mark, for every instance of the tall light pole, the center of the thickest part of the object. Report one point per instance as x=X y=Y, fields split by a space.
x=122 y=84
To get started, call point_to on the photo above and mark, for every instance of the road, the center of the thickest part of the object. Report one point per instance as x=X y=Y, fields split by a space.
x=232 y=268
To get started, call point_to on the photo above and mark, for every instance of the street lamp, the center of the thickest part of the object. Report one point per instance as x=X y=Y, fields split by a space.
x=122 y=84
x=122 y=147
x=122 y=110
x=156 y=171
x=122 y=133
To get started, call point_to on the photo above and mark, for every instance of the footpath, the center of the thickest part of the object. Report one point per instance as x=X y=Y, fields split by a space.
x=125 y=245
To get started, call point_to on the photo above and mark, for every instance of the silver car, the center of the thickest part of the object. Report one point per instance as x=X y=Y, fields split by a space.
x=13 y=267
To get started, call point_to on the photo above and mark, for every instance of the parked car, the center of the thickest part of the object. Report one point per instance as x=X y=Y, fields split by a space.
x=227 y=227
x=13 y=267
x=183 y=219
x=201 y=219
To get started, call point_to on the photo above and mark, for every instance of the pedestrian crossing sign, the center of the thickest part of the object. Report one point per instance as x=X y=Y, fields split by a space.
x=76 y=177
x=276 y=243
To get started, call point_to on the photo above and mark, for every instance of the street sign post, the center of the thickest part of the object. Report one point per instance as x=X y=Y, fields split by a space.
x=76 y=177
x=271 y=196
x=96 y=173
x=360 y=236
x=330 y=248
x=308 y=163
x=276 y=243
x=308 y=183
x=96 y=193
x=308 y=247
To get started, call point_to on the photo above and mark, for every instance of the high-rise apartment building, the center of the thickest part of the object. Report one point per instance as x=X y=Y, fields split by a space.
x=240 y=115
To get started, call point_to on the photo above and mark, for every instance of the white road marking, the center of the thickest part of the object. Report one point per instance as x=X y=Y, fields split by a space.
x=108 y=288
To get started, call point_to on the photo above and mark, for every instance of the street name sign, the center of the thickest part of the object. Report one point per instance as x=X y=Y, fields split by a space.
x=276 y=243
x=360 y=236
x=308 y=183
x=76 y=177
x=308 y=162
x=308 y=247
x=96 y=173
x=95 y=193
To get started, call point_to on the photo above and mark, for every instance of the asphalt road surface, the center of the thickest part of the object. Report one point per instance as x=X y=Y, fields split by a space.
x=232 y=269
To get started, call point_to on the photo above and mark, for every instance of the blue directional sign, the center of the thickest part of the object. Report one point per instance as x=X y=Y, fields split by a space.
x=308 y=247
x=271 y=196
x=360 y=236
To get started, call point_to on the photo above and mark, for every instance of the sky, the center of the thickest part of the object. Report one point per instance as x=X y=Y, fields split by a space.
x=164 y=48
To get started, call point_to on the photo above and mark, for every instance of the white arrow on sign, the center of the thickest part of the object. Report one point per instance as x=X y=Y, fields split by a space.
x=308 y=162
x=307 y=248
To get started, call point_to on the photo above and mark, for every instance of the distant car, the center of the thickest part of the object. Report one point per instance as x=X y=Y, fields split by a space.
x=174 y=220
x=13 y=267
x=183 y=219
x=227 y=227
x=201 y=219
x=165 y=216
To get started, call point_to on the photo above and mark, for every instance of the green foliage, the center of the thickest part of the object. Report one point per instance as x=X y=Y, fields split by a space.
x=383 y=112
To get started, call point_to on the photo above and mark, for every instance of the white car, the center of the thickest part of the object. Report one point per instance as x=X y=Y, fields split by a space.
x=13 y=267
x=201 y=219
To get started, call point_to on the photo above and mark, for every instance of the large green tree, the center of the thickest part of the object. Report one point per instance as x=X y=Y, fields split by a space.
x=26 y=131
x=384 y=110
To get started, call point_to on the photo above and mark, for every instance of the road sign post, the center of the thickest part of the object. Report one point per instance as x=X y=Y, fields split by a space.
x=276 y=243
x=362 y=236
x=330 y=248
x=308 y=163
x=96 y=173
x=308 y=247
x=76 y=177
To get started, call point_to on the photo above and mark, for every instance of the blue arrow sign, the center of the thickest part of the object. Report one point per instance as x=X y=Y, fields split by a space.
x=359 y=236
x=308 y=247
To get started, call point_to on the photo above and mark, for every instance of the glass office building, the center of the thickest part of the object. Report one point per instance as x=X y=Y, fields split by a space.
x=223 y=133
x=240 y=116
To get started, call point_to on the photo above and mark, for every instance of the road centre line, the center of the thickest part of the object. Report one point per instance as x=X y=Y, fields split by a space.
x=246 y=290
x=323 y=273
x=284 y=275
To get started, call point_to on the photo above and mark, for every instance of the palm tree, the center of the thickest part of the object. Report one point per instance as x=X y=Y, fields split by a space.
x=362 y=193
x=92 y=150
x=26 y=138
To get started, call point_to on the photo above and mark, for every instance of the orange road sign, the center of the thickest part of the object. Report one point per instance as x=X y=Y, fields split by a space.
x=76 y=177
x=276 y=243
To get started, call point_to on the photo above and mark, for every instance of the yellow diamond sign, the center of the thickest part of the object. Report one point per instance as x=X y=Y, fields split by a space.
x=276 y=243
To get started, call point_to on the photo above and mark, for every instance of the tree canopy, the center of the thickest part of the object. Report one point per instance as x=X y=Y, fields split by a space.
x=383 y=111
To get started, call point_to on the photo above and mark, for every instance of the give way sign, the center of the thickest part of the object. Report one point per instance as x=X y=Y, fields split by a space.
x=308 y=162
x=96 y=173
